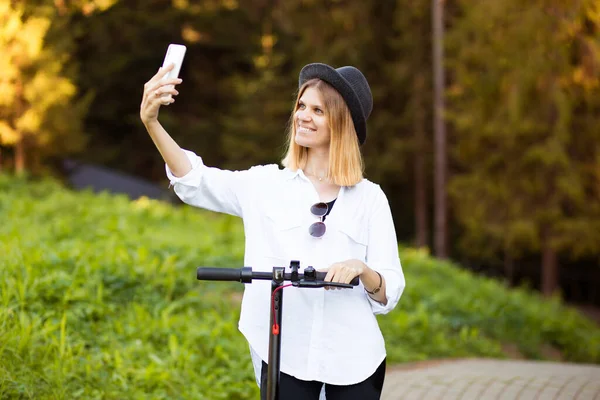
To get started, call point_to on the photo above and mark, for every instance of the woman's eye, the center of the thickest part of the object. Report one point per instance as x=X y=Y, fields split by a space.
x=318 y=111
x=301 y=106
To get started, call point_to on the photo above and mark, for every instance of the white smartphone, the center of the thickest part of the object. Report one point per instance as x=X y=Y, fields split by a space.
x=175 y=54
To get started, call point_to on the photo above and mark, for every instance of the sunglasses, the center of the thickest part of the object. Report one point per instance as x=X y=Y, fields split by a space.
x=318 y=228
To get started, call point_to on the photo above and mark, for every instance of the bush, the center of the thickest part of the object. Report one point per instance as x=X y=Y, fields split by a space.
x=98 y=299
x=449 y=312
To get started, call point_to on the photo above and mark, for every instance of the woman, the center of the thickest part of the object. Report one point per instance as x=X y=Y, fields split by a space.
x=318 y=209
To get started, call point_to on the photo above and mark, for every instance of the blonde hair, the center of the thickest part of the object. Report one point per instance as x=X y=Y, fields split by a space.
x=346 y=165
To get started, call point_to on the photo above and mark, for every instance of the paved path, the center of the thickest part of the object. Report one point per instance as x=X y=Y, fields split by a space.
x=492 y=379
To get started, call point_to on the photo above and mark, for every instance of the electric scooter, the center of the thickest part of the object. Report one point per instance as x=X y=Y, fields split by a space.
x=309 y=279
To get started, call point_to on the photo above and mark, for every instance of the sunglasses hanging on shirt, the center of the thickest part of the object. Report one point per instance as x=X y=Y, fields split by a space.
x=318 y=229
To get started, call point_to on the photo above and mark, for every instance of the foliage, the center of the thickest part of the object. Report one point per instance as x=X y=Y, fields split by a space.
x=523 y=100
x=98 y=299
x=37 y=110
x=525 y=105
x=449 y=312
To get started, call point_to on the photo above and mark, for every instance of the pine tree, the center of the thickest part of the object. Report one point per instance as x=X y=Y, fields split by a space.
x=524 y=109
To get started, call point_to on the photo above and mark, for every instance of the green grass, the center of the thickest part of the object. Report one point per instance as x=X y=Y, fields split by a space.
x=98 y=299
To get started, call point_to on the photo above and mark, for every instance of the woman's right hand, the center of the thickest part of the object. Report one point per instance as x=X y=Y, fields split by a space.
x=156 y=93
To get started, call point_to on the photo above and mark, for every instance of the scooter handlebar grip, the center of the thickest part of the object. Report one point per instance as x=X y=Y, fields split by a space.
x=219 y=274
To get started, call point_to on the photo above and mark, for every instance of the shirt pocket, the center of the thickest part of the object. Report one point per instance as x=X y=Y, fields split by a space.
x=282 y=232
x=354 y=238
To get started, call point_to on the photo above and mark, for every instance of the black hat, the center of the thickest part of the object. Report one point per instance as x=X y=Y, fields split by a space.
x=353 y=87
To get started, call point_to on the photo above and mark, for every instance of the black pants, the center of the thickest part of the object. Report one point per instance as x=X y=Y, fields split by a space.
x=291 y=388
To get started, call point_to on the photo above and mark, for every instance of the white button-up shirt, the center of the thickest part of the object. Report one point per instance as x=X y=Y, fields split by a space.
x=330 y=336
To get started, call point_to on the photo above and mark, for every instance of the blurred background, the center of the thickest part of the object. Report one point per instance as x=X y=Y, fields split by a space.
x=506 y=181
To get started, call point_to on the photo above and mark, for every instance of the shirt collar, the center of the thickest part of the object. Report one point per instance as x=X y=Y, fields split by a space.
x=293 y=174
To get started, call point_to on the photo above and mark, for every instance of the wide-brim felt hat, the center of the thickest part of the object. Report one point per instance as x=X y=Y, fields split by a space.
x=352 y=86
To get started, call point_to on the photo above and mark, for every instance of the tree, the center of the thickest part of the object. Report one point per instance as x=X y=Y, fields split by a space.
x=412 y=70
x=37 y=117
x=524 y=104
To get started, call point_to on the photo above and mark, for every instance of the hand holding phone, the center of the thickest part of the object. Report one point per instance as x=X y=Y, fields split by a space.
x=175 y=55
x=160 y=89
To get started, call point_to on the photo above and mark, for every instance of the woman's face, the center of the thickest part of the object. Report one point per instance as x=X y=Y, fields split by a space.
x=312 y=123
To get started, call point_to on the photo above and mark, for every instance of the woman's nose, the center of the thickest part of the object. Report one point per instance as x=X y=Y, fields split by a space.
x=303 y=116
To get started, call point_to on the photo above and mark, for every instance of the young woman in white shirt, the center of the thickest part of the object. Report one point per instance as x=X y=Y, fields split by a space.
x=318 y=209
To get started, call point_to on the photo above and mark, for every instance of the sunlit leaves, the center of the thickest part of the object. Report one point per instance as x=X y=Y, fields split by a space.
x=34 y=91
x=8 y=135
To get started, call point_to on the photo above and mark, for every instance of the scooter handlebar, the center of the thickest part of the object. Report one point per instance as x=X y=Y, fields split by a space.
x=246 y=275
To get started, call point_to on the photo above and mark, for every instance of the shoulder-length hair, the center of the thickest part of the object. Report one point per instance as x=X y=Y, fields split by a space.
x=346 y=165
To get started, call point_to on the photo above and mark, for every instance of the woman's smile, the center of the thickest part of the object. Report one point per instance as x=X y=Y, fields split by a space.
x=305 y=130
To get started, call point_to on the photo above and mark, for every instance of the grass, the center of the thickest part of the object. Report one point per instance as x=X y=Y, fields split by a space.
x=98 y=299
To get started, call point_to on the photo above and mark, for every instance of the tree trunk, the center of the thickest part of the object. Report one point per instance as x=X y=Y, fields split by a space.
x=549 y=268
x=509 y=268
x=420 y=154
x=20 y=156
x=441 y=224
x=20 y=107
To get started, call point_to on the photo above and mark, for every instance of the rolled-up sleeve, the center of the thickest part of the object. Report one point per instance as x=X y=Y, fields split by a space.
x=211 y=188
x=382 y=254
x=192 y=178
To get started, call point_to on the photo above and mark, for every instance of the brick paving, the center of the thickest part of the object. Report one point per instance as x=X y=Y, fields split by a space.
x=492 y=379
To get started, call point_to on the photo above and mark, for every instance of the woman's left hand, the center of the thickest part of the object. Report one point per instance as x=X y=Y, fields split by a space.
x=344 y=272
